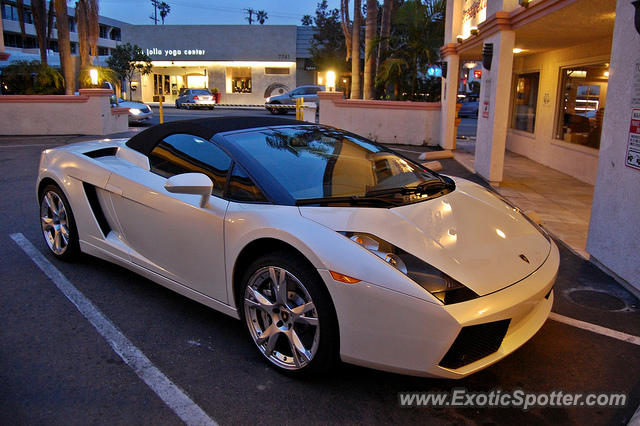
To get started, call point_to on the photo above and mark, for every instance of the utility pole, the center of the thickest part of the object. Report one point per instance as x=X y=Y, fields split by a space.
x=250 y=12
x=154 y=18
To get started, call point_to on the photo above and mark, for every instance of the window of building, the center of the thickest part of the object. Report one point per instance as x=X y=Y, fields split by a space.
x=161 y=85
x=74 y=48
x=72 y=24
x=183 y=153
x=239 y=80
x=116 y=34
x=103 y=51
x=9 y=12
x=276 y=70
x=53 y=45
x=104 y=31
x=523 y=116
x=583 y=94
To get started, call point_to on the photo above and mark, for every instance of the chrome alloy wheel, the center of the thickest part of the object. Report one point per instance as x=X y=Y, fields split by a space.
x=281 y=317
x=55 y=223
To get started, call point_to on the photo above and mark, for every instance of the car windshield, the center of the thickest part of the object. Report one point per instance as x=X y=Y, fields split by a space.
x=200 y=92
x=314 y=162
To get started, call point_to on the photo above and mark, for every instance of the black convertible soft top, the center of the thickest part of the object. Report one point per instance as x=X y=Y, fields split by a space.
x=145 y=141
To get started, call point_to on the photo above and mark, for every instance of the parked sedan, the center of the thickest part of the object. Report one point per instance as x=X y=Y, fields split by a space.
x=195 y=98
x=308 y=93
x=326 y=245
x=469 y=108
x=138 y=112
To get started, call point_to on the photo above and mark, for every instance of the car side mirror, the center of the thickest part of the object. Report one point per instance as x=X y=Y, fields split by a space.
x=191 y=183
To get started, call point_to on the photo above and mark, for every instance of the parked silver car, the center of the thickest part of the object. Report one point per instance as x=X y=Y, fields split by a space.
x=309 y=93
x=138 y=112
x=195 y=98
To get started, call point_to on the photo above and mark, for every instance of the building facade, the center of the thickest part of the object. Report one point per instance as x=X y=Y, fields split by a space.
x=244 y=63
x=549 y=72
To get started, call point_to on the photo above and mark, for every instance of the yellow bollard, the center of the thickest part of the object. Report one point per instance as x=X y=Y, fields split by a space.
x=299 y=102
x=161 y=116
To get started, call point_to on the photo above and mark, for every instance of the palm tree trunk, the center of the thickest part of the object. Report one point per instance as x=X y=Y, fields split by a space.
x=355 y=51
x=93 y=28
x=83 y=32
x=385 y=29
x=345 y=23
x=64 y=46
x=39 y=12
x=369 y=53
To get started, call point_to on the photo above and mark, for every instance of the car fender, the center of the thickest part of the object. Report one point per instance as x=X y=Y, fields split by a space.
x=325 y=249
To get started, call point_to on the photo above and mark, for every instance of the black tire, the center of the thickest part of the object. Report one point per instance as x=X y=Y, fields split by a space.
x=210 y=108
x=326 y=351
x=177 y=105
x=274 y=111
x=71 y=249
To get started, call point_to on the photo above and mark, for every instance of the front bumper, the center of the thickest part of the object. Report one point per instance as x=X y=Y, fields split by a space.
x=140 y=117
x=390 y=331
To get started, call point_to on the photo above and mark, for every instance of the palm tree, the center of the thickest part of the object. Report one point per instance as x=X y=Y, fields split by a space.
x=64 y=45
x=164 y=9
x=82 y=23
x=346 y=26
x=261 y=16
x=249 y=17
x=385 y=29
x=418 y=33
x=355 y=51
x=93 y=26
x=369 y=48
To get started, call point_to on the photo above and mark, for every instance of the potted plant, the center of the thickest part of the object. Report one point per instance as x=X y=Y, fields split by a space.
x=216 y=94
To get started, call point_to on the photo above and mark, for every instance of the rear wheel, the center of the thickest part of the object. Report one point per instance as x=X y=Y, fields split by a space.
x=57 y=223
x=289 y=314
x=274 y=110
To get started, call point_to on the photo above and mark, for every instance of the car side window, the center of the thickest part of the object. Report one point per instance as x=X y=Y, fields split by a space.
x=184 y=153
x=310 y=90
x=242 y=188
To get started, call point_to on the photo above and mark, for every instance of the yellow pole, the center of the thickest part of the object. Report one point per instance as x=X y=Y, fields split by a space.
x=161 y=116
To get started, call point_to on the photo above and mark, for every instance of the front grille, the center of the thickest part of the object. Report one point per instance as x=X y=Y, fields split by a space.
x=475 y=342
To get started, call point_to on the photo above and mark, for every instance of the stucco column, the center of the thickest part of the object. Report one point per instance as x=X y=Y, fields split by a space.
x=493 y=115
x=448 y=97
x=614 y=231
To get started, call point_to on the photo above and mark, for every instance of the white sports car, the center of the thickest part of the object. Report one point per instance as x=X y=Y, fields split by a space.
x=327 y=245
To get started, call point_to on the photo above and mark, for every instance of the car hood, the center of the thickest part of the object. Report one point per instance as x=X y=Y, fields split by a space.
x=469 y=234
x=129 y=104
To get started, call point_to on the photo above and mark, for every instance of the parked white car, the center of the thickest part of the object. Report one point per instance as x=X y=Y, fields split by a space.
x=138 y=112
x=326 y=245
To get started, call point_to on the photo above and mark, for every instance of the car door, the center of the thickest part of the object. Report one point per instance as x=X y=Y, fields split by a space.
x=311 y=94
x=293 y=95
x=170 y=234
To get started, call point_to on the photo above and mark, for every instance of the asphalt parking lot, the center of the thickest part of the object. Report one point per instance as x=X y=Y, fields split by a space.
x=57 y=369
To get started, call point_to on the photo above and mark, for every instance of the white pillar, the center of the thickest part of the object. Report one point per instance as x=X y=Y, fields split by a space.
x=493 y=115
x=614 y=231
x=448 y=99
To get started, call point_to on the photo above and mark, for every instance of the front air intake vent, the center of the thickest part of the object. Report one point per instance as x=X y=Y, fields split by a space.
x=475 y=342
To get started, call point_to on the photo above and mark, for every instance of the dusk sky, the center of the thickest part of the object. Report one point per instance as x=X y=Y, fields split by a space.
x=281 y=12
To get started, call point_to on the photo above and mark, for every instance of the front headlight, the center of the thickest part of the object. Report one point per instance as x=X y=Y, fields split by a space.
x=436 y=282
x=135 y=111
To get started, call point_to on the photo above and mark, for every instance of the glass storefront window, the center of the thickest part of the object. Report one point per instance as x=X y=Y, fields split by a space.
x=583 y=94
x=523 y=116
x=239 y=80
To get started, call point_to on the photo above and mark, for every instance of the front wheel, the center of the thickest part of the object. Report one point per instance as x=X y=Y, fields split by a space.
x=57 y=223
x=289 y=315
x=177 y=105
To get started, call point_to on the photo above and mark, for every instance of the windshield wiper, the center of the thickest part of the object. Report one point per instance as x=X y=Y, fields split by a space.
x=429 y=187
x=353 y=199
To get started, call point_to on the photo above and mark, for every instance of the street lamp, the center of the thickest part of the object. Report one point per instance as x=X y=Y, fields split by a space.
x=93 y=73
x=331 y=81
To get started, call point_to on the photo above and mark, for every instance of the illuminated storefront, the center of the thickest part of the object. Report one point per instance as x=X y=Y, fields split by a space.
x=561 y=86
x=244 y=64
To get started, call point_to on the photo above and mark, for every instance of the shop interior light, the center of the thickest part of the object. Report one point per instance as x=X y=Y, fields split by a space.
x=470 y=65
x=331 y=81
x=93 y=74
x=518 y=50
x=474 y=31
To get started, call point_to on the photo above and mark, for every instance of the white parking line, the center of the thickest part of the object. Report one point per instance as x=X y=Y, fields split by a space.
x=629 y=338
x=174 y=397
